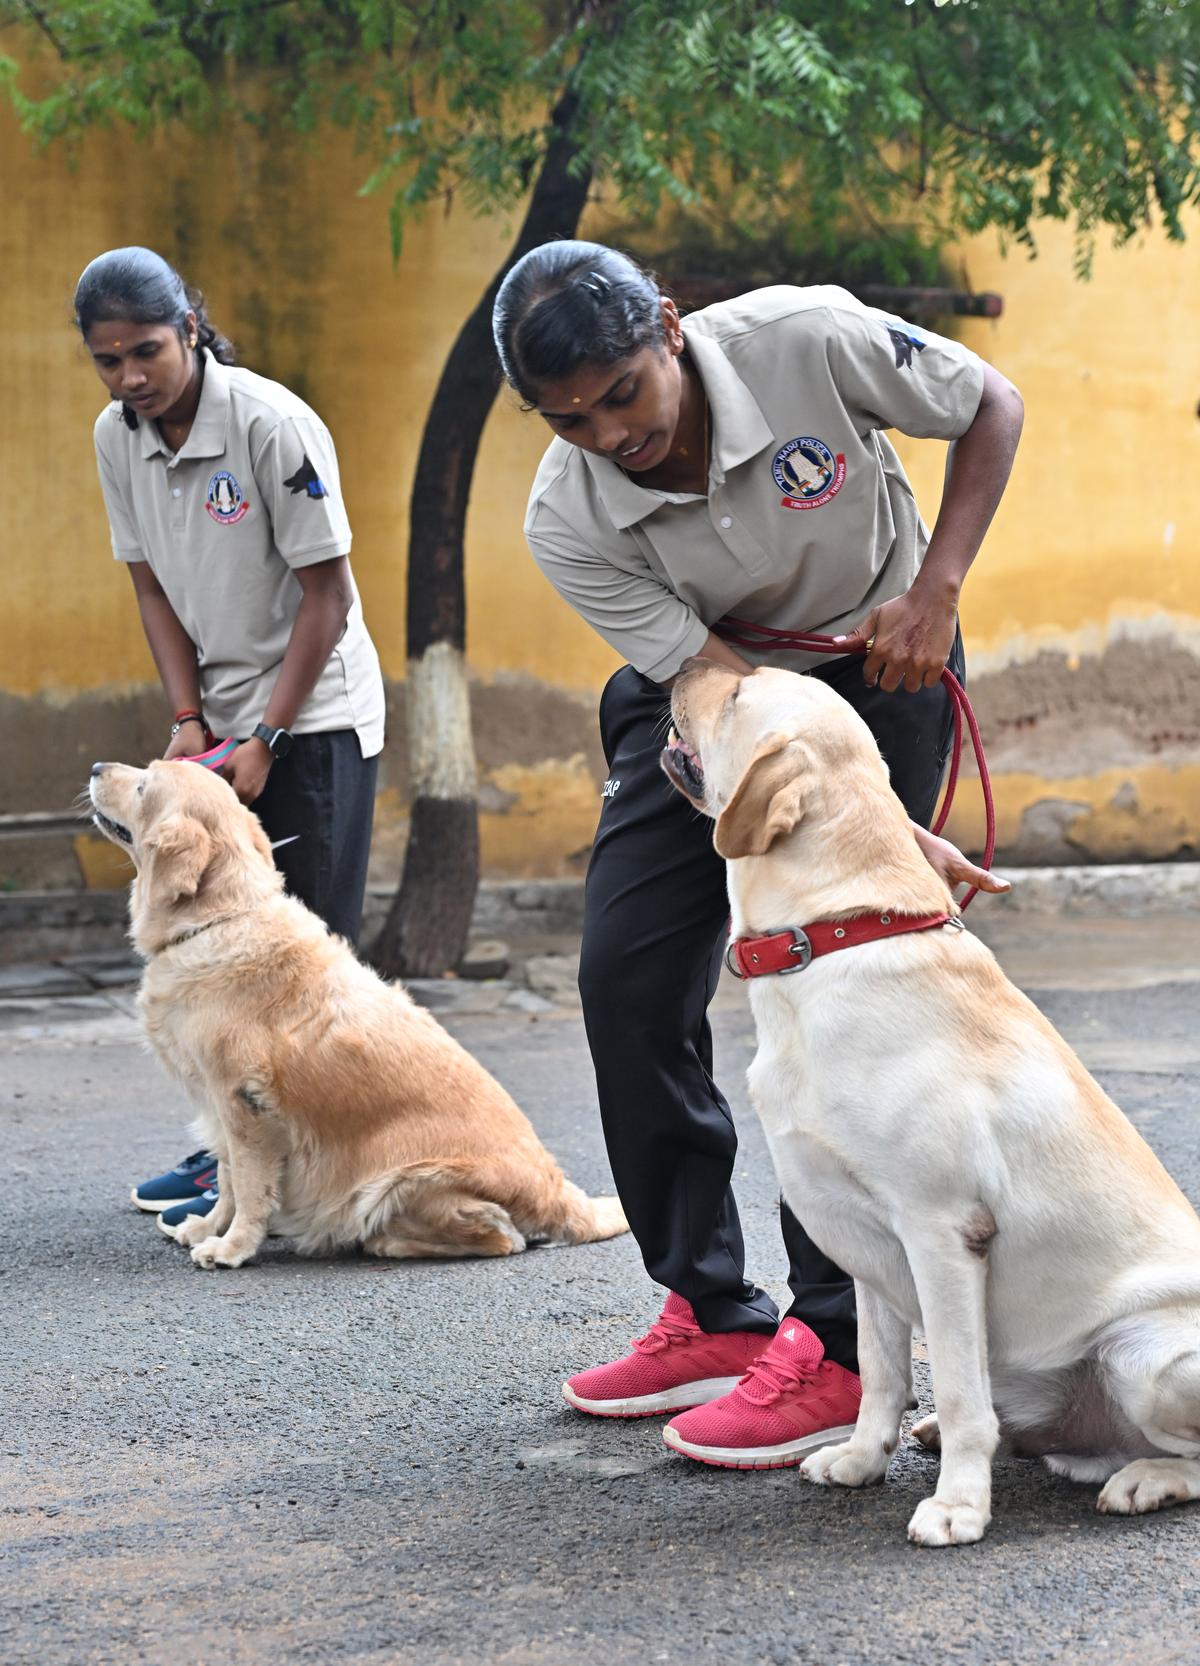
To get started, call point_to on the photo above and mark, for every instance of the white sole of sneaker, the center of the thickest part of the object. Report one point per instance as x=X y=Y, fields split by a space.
x=757 y=1457
x=157 y=1208
x=171 y=1231
x=682 y=1398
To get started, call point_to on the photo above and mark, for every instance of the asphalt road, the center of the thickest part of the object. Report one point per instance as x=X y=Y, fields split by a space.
x=359 y=1461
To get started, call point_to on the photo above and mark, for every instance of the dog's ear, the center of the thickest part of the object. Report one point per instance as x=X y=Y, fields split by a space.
x=180 y=851
x=767 y=802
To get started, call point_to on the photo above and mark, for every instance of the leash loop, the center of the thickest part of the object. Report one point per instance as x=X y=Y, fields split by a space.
x=743 y=633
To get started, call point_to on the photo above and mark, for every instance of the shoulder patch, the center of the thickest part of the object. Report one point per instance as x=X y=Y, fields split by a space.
x=905 y=344
x=306 y=480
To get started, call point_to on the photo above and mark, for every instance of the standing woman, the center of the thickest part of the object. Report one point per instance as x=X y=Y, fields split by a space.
x=732 y=463
x=223 y=499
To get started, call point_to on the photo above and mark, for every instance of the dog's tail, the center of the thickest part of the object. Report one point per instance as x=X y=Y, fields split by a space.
x=578 y=1219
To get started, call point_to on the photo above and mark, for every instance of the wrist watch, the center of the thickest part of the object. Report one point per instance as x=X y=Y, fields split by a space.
x=278 y=741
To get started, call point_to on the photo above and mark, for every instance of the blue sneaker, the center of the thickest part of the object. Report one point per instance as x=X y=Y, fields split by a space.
x=179 y=1185
x=172 y=1219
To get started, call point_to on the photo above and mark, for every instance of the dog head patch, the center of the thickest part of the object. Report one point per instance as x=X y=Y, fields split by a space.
x=306 y=480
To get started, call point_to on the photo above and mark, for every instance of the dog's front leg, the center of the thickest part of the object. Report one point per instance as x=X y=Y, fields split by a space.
x=885 y=1360
x=256 y=1154
x=196 y=1228
x=951 y=1282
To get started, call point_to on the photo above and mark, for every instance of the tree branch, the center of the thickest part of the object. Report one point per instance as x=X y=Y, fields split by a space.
x=43 y=23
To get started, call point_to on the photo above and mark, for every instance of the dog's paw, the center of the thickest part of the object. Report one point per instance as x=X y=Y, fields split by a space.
x=193 y=1229
x=927 y=1432
x=219 y=1252
x=845 y=1466
x=936 y=1523
x=1150 y=1484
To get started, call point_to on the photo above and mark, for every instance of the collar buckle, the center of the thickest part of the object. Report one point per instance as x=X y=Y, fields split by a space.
x=800 y=948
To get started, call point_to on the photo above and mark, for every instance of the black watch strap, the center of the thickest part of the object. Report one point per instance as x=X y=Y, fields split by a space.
x=278 y=741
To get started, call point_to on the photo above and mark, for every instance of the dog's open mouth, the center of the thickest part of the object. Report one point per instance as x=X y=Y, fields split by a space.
x=682 y=766
x=113 y=829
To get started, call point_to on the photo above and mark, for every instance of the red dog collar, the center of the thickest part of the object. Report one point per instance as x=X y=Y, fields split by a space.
x=791 y=948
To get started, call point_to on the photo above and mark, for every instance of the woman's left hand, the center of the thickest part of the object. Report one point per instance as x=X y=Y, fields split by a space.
x=907 y=640
x=246 y=769
x=949 y=863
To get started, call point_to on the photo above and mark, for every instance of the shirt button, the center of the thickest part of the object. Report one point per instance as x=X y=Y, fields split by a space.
x=176 y=491
x=726 y=522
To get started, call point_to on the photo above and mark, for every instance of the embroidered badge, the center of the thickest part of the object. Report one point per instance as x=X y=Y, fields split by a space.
x=905 y=345
x=306 y=479
x=807 y=473
x=225 y=501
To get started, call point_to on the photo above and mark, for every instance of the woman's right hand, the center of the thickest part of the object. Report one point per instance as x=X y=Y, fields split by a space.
x=189 y=742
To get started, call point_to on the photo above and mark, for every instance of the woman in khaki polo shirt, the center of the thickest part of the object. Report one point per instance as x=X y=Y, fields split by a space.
x=224 y=501
x=732 y=463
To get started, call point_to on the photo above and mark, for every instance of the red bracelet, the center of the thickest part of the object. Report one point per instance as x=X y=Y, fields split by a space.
x=192 y=717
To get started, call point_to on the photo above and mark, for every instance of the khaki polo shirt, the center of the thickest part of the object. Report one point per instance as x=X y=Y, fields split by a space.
x=253 y=494
x=809 y=521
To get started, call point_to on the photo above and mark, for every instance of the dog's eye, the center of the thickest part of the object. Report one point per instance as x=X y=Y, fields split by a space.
x=141 y=788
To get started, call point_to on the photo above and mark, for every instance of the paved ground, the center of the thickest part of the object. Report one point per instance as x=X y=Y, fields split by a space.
x=368 y=1462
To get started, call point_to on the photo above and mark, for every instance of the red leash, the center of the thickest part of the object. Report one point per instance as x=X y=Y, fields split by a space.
x=741 y=633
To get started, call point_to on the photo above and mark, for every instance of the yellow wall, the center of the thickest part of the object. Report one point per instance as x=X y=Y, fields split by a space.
x=1098 y=536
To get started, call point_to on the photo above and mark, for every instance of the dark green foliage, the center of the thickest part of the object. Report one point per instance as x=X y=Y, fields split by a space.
x=954 y=116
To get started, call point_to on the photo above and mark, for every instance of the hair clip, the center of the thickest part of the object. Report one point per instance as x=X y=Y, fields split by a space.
x=597 y=284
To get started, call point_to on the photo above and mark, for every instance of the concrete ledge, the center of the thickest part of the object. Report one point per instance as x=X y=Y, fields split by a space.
x=1129 y=890
x=49 y=925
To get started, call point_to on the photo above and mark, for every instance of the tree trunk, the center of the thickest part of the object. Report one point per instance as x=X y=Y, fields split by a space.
x=426 y=929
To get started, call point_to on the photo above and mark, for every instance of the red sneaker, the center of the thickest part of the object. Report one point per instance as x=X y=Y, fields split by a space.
x=791 y=1401
x=674 y=1365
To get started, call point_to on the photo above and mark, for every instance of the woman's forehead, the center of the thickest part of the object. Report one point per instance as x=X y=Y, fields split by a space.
x=588 y=384
x=114 y=334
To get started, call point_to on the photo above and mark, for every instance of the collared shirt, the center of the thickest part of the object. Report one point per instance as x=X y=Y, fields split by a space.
x=252 y=494
x=809 y=520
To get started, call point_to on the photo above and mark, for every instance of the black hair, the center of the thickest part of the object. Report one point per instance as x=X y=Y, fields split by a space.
x=569 y=303
x=137 y=286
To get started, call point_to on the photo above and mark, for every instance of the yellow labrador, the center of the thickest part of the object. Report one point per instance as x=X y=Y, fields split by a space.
x=340 y=1112
x=940 y=1140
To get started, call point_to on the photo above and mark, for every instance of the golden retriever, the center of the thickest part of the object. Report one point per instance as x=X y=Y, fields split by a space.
x=940 y=1140
x=340 y=1112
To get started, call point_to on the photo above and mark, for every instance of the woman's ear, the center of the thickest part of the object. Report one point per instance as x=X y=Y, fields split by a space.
x=179 y=852
x=767 y=802
x=672 y=329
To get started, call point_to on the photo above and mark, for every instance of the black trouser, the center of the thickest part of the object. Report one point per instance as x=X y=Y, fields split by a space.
x=655 y=918
x=324 y=790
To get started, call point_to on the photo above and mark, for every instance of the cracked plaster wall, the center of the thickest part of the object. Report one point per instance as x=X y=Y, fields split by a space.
x=1082 y=616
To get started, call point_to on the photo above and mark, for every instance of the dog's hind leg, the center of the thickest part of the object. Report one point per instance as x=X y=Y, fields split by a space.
x=1151 y=1364
x=885 y=1357
x=437 y=1224
x=927 y=1434
x=1150 y=1484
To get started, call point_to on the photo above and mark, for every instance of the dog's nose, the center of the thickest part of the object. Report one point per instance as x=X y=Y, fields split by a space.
x=98 y=769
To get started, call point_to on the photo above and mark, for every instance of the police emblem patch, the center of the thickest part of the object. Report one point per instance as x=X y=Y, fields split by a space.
x=225 y=501
x=807 y=473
